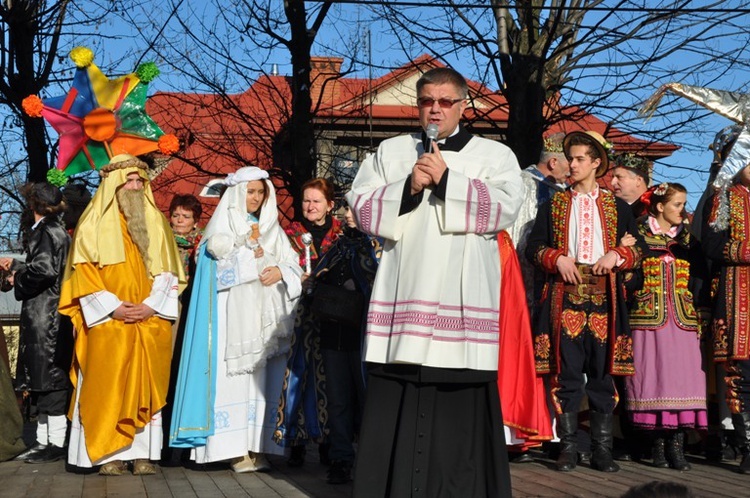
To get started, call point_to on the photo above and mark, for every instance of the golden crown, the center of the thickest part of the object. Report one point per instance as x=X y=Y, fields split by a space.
x=634 y=162
x=553 y=144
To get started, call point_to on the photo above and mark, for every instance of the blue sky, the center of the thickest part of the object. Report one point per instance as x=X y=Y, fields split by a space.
x=347 y=24
x=689 y=165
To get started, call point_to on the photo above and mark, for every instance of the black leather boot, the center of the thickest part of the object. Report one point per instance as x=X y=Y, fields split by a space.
x=715 y=445
x=567 y=424
x=31 y=452
x=658 y=452
x=601 y=440
x=741 y=422
x=297 y=456
x=676 y=451
x=52 y=453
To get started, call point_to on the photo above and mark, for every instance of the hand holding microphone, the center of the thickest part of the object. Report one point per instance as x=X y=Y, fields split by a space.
x=431 y=163
x=422 y=173
x=432 y=135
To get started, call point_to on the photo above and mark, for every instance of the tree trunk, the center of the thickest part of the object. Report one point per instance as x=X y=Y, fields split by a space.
x=301 y=133
x=23 y=80
x=36 y=149
x=526 y=98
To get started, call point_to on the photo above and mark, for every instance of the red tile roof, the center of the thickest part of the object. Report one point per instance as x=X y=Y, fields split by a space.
x=223 y=132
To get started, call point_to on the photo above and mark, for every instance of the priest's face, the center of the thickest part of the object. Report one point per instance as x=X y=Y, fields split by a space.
x=442 y=105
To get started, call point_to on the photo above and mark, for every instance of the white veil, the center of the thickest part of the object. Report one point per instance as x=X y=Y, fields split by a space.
x=258 y=317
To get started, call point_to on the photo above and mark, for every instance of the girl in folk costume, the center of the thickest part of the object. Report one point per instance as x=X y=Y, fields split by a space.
x=667 y=393
x=302 y=408
x=237 y=330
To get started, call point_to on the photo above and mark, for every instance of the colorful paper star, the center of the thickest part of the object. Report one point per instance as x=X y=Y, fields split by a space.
x=99 y=118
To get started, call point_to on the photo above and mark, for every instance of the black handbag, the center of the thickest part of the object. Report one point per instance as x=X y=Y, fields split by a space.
x=336 y=304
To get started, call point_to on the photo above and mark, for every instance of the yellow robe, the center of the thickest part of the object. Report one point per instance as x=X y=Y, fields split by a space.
x=125 y=367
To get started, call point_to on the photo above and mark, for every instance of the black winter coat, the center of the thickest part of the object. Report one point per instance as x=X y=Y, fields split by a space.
x=350 y=263
x=46 y=341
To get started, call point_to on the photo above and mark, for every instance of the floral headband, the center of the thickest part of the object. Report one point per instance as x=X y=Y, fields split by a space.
x=659 y=190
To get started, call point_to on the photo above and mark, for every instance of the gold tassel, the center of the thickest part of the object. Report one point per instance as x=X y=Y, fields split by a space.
x=649 y=106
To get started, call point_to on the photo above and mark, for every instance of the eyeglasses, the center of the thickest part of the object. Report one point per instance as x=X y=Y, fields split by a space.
x=443 y=103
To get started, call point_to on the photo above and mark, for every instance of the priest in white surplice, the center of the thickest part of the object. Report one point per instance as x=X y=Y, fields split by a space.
x=432 y=424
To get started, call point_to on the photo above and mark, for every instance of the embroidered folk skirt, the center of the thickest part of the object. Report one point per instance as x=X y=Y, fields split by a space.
x=431 y=432
x=668 y=389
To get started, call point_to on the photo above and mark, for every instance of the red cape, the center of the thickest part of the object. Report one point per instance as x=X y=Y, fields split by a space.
x=522 y=393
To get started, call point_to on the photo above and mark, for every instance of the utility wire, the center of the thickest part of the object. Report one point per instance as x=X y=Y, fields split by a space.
x=656 y=10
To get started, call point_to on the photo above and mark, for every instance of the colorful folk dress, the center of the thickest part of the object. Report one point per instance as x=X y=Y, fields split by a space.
x=668 y=389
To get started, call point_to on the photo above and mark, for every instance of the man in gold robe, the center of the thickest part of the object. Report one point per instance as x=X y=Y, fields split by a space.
x=120 y=289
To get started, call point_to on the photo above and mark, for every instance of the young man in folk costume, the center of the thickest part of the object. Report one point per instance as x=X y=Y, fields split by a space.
x=120 y=289
x=432 y=424
x=582 y=335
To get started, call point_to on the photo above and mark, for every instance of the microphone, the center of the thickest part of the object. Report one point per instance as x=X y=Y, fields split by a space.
x=432 y=134
x=307 y=239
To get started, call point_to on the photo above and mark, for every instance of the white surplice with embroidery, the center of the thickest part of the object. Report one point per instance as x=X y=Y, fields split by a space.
x=436 y=296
